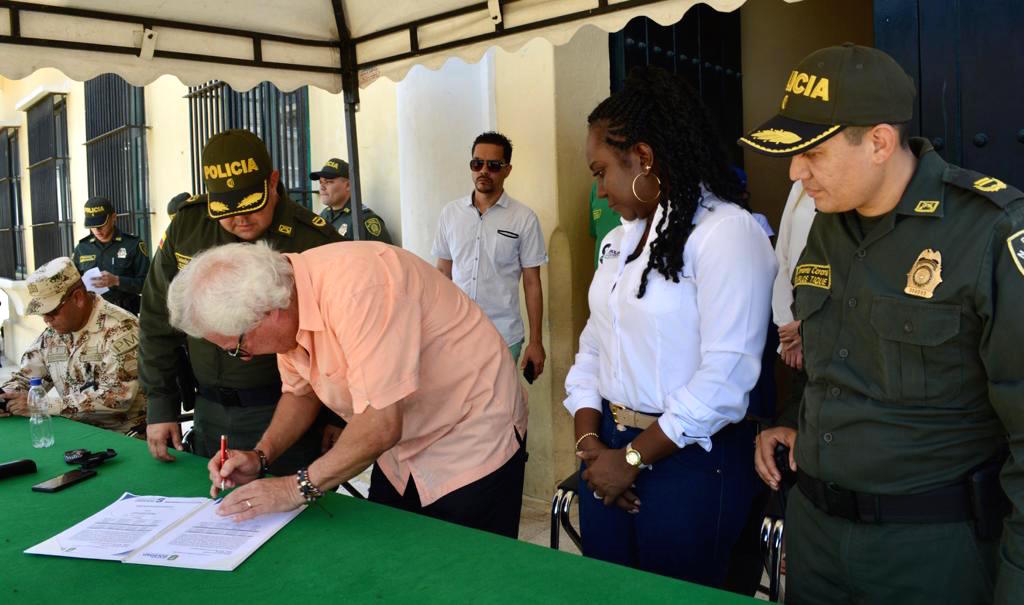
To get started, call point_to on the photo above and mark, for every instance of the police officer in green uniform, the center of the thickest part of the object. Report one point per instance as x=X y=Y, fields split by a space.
x=236 y=393
x=335 y=192
x=909 y=292
x=177 y=202
x=121 y=257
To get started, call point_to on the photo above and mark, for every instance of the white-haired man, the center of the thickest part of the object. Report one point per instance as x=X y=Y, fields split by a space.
x=373 y=341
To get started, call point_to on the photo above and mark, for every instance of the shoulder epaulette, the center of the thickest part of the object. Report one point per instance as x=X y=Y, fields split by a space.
x=993 y=189
x=306 y=217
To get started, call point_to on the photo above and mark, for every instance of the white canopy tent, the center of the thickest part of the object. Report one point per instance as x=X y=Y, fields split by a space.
x=336 y=45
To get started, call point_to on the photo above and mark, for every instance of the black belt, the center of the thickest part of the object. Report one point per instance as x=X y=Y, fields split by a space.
x=944 y=505
x=266 y=395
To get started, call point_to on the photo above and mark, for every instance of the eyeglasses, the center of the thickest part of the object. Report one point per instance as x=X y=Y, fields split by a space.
x=239 y=351
x=477 y=165
x=63 y=301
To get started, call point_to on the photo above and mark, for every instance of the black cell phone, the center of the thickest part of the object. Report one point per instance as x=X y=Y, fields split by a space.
x=528 y=372
x=61 y=481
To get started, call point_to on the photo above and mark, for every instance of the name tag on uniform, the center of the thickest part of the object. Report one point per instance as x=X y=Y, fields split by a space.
x=817 y=276
x=92 y=355
x=57 y=354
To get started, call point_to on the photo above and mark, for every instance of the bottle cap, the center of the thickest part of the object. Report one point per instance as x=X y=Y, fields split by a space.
x=35 y=382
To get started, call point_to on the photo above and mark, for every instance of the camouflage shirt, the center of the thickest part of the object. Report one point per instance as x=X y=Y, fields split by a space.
x=94 y=370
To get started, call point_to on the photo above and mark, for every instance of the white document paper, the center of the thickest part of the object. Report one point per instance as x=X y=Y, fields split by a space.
x=170 y=532
x=208 y=541
x=87 y=278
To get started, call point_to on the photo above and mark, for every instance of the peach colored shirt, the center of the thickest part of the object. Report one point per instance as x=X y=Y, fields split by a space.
x=378 y=326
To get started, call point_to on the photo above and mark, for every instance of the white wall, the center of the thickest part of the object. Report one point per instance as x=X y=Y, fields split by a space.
x=377 y=135
x=169 y=147
x=439 y=113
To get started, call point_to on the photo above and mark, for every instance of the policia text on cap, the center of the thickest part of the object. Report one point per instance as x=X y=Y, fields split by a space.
x=235 y=396
x=909 y=295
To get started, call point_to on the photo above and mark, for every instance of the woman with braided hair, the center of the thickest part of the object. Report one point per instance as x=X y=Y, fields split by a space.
x=680 y=305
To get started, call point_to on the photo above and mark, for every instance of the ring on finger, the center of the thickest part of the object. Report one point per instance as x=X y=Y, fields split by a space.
x=598 y=496
x=249 y=504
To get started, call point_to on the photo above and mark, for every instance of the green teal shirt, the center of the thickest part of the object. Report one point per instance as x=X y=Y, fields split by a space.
x=912 y=328
x=602 y=220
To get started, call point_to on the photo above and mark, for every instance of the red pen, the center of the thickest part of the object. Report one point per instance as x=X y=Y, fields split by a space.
x=223 y=454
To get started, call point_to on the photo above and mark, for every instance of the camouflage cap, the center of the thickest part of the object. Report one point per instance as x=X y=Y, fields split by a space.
x=236 y=166
x=49 y=283
x=333 y=168
x=830 y=89
x=97 y=209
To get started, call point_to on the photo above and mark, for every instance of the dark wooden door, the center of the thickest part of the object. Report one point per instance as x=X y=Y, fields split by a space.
x=967 y=58
x=704 y=48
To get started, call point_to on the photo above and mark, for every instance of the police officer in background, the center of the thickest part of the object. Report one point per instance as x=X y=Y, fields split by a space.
x=121 y=257
x=335 y=193
x=177 y=202
x=909 y=292
x=236 y=392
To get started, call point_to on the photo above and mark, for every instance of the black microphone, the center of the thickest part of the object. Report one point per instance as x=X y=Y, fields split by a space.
x=17 y=467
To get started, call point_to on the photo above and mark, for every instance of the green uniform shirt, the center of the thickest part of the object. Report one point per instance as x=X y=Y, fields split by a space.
x=125 y=256
x=908 y=393
x=602 y=220
x=293 y=229
x=373 y=228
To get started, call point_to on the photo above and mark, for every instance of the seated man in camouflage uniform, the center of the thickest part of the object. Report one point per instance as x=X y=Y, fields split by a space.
x=88 y=353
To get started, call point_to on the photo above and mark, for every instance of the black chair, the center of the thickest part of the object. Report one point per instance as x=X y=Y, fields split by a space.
x=561 y=504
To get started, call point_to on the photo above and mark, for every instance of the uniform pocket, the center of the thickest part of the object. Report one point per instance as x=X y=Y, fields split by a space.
x=808 y=301
x=920 y=353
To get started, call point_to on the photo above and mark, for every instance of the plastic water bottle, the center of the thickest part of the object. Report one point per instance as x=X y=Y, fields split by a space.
x=39 y=419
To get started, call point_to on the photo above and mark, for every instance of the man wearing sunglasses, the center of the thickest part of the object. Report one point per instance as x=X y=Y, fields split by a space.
x=486 y=241
x=236 y=395
x=88 y=353
x=335 y=193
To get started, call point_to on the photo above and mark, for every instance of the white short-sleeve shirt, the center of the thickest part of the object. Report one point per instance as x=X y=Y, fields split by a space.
x=489 y=252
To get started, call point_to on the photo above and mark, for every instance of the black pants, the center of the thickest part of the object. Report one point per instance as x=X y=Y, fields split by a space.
x=491 y=503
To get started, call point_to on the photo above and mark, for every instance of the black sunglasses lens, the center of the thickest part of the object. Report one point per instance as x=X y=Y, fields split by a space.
x=495 y=165
x=476 y=165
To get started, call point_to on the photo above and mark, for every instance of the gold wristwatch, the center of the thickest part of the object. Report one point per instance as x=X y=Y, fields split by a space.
x=633 y=457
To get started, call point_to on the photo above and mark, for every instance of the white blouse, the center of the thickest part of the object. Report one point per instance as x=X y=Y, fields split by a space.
x=689 y=350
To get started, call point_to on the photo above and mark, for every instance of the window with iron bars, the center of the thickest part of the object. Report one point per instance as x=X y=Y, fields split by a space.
x=280 y=119
x=115 y=132
x=50 y=183
x=12 y=226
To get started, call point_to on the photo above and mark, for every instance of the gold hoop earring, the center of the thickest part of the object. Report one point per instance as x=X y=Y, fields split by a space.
x=647 y=173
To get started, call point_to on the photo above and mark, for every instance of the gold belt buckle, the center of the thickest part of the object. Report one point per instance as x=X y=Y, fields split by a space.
x=616 y=410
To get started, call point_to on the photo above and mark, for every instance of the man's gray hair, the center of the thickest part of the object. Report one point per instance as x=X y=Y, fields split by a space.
x=229 y=289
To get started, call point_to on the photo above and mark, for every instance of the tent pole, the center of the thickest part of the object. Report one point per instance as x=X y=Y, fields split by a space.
x=355 y=184
x=350 y=90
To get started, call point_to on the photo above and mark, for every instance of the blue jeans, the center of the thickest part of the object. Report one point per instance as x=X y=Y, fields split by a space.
x=694 y=505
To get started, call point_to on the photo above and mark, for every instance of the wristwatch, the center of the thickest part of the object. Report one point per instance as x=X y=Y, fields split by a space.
x=633 y=457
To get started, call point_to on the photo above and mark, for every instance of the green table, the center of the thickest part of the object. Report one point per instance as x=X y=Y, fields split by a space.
x=349 y=550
